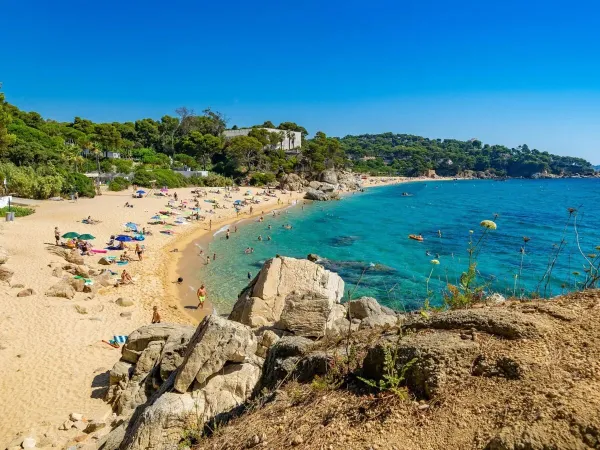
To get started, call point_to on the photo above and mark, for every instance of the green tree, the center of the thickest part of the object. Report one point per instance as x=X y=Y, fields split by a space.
x=201 y=146
x=6 y=139
x=246 y=150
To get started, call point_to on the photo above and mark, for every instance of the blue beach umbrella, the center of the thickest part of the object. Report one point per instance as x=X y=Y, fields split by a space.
x=140 y=192
x=131 y=226
x=123 y=238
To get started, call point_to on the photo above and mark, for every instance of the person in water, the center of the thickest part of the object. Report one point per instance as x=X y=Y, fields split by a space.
x=249 y=276
x=259 y=237
x=201 y=294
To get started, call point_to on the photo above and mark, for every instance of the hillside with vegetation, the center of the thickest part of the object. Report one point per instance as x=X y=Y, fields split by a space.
x=43 y=158
x=409 y=155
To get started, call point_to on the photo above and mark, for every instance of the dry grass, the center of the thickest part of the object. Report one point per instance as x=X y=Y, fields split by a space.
x=553 y=405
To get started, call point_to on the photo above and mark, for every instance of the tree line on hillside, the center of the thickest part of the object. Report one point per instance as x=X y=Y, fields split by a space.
x=409 y=155
x=41 y=158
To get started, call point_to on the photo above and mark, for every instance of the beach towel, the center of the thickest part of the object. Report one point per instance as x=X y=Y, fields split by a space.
x=120 y=339
x=98 y=250
x=122 y=263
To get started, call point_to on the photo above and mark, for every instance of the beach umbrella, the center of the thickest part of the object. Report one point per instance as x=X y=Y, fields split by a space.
x=131 y=226
x=123 y=238
x=86 y=237
x=140 y=192
x=70 y=235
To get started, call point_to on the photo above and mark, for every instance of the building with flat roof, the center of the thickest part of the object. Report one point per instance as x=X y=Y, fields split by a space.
x=290 y=145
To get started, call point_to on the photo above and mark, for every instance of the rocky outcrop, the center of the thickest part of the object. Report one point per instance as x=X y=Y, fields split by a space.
x=348 y=181
x=175 y=380
x=74 y=257
x=162 y=424
x=286 y=291
x=504 y=323
x=318 y=195
x=329 y=176
x=429 y=361
x=61 y=289
x=148 y=358
x=216 y=342
x=291 y=182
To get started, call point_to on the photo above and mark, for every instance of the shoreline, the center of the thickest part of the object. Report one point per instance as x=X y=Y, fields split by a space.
x=185 y=262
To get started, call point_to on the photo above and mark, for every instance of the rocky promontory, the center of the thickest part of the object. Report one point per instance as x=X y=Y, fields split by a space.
x=284 y=370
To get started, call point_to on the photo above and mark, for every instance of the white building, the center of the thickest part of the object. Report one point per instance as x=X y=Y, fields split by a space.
x=289 y=145
x=104 y=154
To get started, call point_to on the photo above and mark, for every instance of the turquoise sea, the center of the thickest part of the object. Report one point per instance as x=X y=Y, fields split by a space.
x=364 y=238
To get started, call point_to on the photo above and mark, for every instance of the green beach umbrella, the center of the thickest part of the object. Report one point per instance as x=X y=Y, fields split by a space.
x=86 y=237
x=70 y=235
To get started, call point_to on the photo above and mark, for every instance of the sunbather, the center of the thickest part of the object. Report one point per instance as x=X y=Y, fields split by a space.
x=126 y=278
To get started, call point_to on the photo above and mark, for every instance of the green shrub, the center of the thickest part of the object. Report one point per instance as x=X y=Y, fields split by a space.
x=18 y=210
x=26 y=182
x=260 y=179
x=163 y=177
x=123 y=165
x=118 y=184
x=214 y=180
x=77 y=182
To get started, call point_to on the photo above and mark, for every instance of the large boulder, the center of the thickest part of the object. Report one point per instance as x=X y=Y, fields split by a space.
x=349 y=180
x=329 y=176
x=291 y=182
x=61 y=289
x=74 y=257
x=430 y=361
x=296 y=285
x=162 y=423
x=363 y=307
x=147 y=359
x=216 y=342
x=306 y=314
x=314 y=194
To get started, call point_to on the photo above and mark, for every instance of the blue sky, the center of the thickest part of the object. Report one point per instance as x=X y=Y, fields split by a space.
x=505 y=72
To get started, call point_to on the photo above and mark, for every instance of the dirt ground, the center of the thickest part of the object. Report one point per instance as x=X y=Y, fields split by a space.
x=532 y=381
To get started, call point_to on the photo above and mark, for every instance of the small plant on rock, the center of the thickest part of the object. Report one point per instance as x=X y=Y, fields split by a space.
x=469 y=291
x=392 y=378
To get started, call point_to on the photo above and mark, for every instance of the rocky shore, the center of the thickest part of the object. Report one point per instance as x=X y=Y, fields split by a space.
x=513 y=374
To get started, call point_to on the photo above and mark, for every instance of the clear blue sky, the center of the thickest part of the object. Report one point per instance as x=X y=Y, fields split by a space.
x=507 y=72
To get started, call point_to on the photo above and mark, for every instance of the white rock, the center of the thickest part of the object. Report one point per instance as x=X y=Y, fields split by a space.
x=28 y=442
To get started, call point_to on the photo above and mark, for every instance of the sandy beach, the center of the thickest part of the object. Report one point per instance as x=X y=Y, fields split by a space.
x=51 y=349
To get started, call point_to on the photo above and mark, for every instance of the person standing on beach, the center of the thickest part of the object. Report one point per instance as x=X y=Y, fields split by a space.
x=139 y=251
x=57 y=235
x=201 y=293
x=155 y=315
x=210 y=224
x=207 y=260
x=214 y=256
x=227 y=234
x=76 y=196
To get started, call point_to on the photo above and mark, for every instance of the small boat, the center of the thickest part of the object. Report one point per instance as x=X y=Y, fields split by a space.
x=416 y=237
